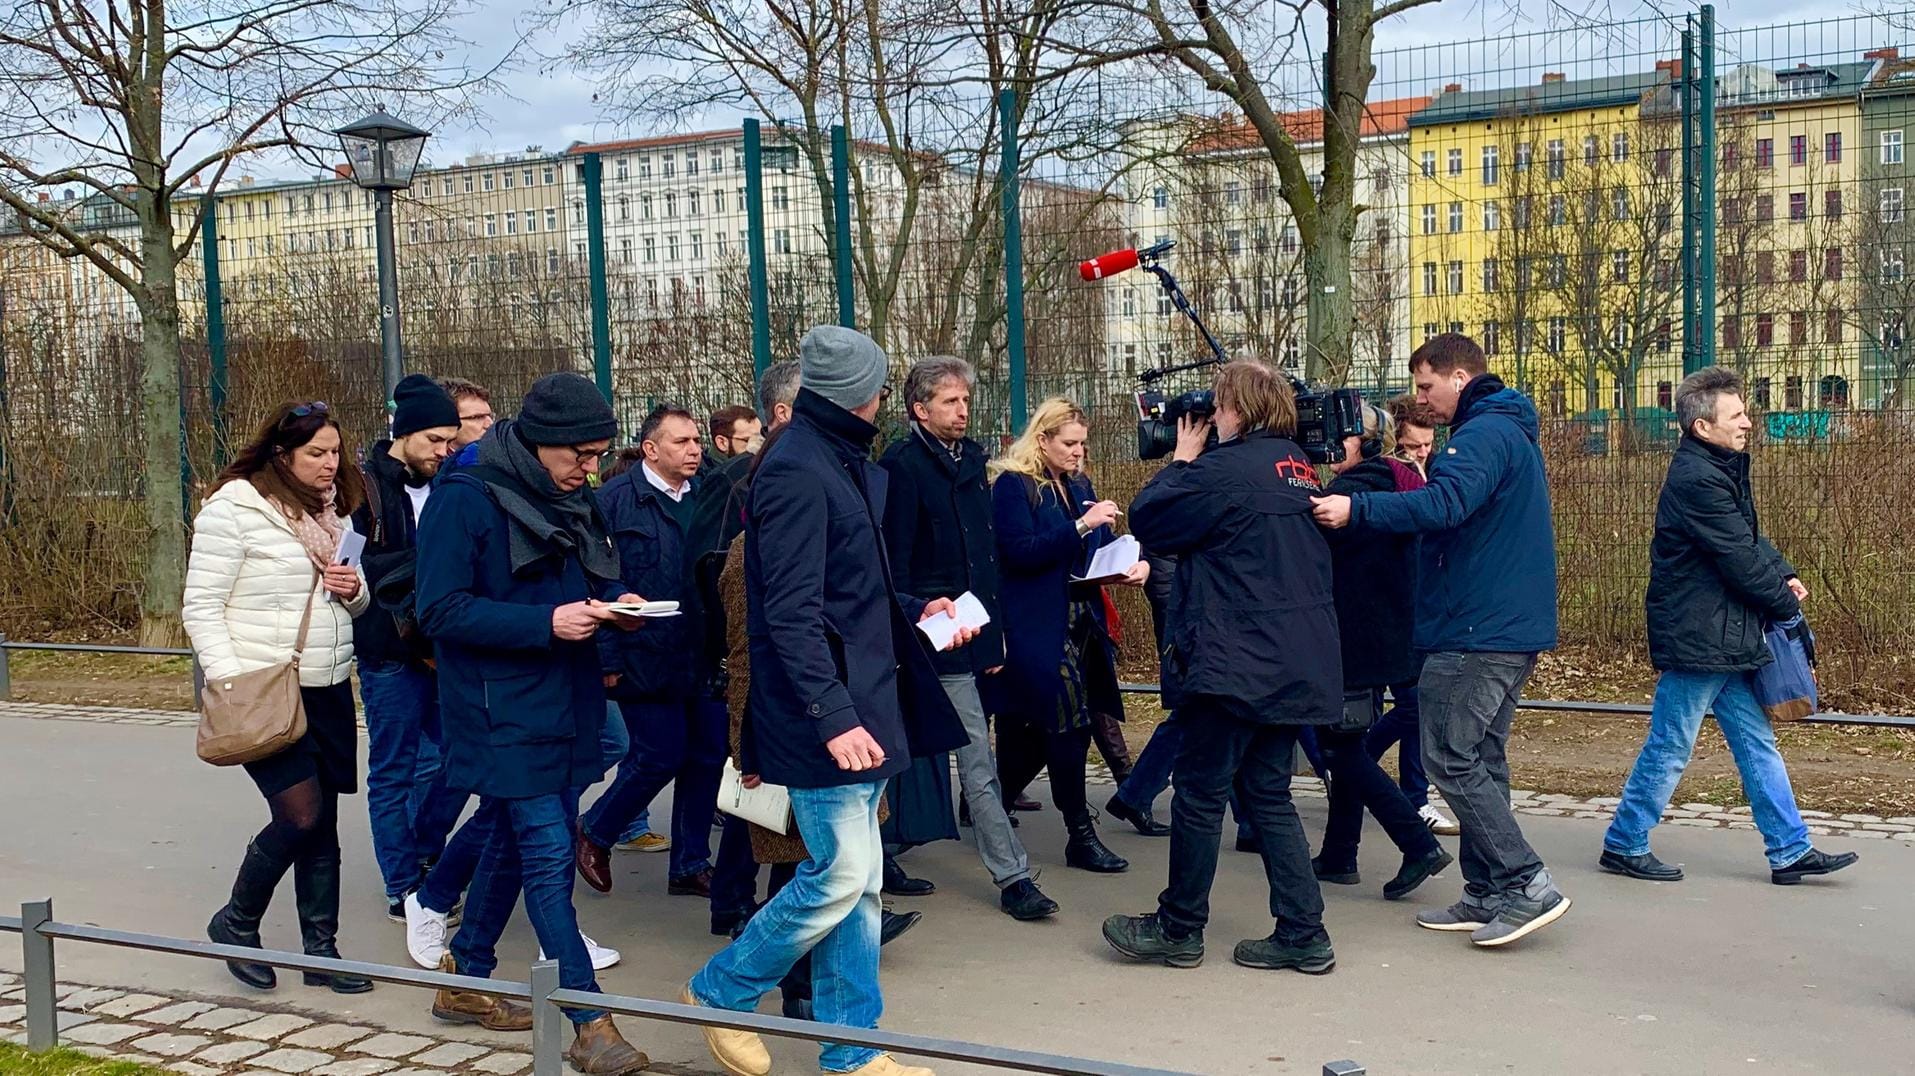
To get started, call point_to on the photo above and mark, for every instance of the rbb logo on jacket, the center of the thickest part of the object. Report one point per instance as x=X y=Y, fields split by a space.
x=1299 y=473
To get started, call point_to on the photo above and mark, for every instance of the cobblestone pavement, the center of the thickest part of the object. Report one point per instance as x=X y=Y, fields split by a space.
x=1548 y=804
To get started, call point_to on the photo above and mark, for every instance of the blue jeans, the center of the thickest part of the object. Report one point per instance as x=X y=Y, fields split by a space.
x=830 y=910
x=1400 y=725
x=679 y=742
x=1150 y=774
x=614 y=740
x=1681 y=700
x=531 y=850
x=411 y=810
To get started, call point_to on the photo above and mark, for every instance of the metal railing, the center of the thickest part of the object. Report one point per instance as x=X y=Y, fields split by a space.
x=7 y=646
x=38 y=930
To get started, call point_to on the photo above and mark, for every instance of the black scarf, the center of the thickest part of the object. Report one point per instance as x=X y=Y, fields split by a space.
x=542 y=520
x=1479 y=387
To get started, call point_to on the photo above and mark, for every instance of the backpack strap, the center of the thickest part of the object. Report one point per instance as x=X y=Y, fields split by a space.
x=375 y=501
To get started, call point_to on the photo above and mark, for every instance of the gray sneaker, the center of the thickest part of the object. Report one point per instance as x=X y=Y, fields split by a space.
x=1521 y=918
x=1459 y=916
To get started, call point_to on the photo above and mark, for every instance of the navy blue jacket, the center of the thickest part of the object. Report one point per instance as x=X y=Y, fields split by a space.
x=521 y=710
x=1715 y=583
x=391 y=542
x=937 y=529
x=659 y=661
x=831 y=648
x=1487 y=567
x=1038 y=550
x=1253 y=625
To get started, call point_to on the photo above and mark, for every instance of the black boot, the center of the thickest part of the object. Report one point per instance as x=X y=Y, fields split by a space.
x=316 y=886
x=238 y=922
x=1085 y=851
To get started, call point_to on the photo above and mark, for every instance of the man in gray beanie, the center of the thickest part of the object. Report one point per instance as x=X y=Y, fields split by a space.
x=836 y=708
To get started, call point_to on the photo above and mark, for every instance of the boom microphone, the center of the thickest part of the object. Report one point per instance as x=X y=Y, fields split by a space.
x=1118 y=261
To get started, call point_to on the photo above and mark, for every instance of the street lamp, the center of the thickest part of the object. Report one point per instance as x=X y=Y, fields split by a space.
x=383 y=152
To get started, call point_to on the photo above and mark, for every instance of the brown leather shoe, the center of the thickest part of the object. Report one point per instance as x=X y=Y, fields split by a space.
x=464 y=1007
x=600 y=1050
x=691 y=885
x=594 y=864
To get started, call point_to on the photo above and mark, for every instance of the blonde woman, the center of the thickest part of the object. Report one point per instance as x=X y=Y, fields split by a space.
x=262 y=562
x=1060 y=666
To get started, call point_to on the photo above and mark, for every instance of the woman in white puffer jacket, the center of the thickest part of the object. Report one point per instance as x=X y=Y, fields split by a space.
x=263 y=550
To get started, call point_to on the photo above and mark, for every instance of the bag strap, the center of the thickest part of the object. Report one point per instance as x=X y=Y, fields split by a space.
x=375 y=501
x=306 y=620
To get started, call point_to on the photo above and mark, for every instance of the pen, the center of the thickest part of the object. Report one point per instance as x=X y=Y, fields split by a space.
x=1087 y=504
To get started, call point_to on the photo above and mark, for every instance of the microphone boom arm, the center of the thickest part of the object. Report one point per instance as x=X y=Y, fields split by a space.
x=1148 y=261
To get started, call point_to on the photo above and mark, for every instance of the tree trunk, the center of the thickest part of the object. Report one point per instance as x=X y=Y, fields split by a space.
x=1330 y=306
x=165 y=576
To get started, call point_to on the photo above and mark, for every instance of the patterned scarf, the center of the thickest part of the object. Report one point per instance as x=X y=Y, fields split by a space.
x=319 y=534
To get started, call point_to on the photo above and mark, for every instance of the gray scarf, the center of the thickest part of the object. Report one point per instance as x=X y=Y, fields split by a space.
x=542 y=520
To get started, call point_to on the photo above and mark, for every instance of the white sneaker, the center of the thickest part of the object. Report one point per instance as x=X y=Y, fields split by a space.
x=603 y=956
x=425 y=933
x=1439 y=823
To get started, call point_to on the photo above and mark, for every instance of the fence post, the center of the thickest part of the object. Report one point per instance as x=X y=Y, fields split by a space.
x=548 y=1021
x=1343 y=1068
x=841 y=240
x=6 y=423
x=755 y=249
x=1690 y=221
x=1706 y=189
x=36 y=950
x=1013 y=254
x=215 y=328
x=593 y=170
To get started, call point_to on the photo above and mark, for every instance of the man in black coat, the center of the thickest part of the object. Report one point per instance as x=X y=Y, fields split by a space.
x=1715 y=584
x=937 y=528
x=843 y=695
x=1252 y=657
x=410 y=808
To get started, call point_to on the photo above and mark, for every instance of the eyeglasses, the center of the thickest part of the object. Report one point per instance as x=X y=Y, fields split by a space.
x=884 y=393
x=586 y=455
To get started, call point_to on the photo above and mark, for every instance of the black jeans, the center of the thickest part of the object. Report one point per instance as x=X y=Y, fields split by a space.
x=1222 y=751
x=1356 y=782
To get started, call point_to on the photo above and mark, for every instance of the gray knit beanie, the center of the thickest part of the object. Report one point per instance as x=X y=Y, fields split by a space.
x=566 y=409
x=842 y=365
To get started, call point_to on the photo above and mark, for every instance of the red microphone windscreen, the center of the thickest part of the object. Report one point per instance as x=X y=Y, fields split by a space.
x=1108 y=264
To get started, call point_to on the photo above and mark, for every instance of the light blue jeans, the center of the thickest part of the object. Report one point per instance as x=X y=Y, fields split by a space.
x=830 y=910
x=1682 y=698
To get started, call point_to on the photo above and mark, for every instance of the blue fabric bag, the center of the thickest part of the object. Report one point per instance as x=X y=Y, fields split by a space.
x=1786 y=686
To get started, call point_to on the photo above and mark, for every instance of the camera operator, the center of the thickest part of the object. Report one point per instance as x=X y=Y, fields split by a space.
x=1253 y=646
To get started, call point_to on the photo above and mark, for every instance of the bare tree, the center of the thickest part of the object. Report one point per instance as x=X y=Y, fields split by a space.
x=130 y=100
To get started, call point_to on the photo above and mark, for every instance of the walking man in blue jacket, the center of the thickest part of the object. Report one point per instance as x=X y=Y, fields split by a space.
x=1485 y=608
x=843 y=695
x=1715 y=583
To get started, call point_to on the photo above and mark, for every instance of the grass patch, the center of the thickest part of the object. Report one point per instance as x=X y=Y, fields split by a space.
x=17 y=1061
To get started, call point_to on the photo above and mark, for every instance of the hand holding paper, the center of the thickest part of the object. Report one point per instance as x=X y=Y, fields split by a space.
x=950 y=624
x=1112 y=562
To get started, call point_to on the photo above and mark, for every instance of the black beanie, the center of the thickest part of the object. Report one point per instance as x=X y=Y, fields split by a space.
x=566 y=409
x=418 y=403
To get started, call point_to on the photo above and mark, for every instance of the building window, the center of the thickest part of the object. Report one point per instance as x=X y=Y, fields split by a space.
x=1732 y=332
x=1764 y=330
x=1429 y=162
x=1833 y=392
x=1892 y=268
x=671 y=205
x=1798 y=327
x=445 y=188
x=1798 y=150
x=1429 y=217
x=508 y=179
x=651 y=250
x=1619 y=146
x=1798 y=266
x=551 y=219
x=1765 y=267
x=1492 y=162
x=691 y=203
x=781 y=240
x=548 y=176
x=1233 y=193
x=1456 y=217
x=625 y=206
x=1663 y=336
x=780 y=199
x=1664 y=157
x=671 y=248
x=1891 y=207
x=1619 y=266
x=1792 y=392
x=1554 y=159
x=1619 y=203
x=1832 y=147
x=1765 y=207
x=1592 y=149
x=1832 y=263
x=1558 y=335
x=1429 y=278
x=1558 y=211
x=1161 y=197
x=666 y=166
x=1492 y=338
x=1520 y=210
x=1765 y=153
x=691 y=162
x=1665 y=395
x=1832 y=204
x=1492 y=215
x=1892 y=147
x=1524 y=152
x=486 y=181
x=1456 y=162
x=1832 y=326
x=492 y=224
x=1798 y=205
x=467 y=186
x=1491 y=275
x=644 y=207
x=511 y=221
x=1456 y=278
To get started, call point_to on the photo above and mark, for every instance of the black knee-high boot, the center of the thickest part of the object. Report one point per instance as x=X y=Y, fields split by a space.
x=316 y=887
x=238 y=922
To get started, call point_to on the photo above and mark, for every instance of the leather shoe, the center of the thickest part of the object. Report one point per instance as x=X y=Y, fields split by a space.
x=1024 y=902
x=1250 y=845
x=594 y=864
x=1026 y=803
x=1335 y=874
x=1645 y=866
x=899 y=884
x=892 y=925
x=1144 y=822
x=1814 y=862
x=464 y=1007
x=600 y=1050
x=1415 y=872
x=691 y=885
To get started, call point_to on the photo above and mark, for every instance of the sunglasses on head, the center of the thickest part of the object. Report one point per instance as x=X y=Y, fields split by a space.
x=317 y=407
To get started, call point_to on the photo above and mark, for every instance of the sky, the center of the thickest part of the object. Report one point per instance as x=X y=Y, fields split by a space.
x=1478 y=43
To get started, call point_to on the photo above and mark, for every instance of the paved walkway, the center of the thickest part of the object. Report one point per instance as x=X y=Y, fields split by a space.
x=112 y=816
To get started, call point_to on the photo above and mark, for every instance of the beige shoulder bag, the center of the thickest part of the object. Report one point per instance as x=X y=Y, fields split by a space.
x=256 y=714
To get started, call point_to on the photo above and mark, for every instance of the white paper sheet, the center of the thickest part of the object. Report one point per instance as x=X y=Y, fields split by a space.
x=352 y=546
x=1112 y=561
x=768 y=805
x=942 y=629
x=648 y=610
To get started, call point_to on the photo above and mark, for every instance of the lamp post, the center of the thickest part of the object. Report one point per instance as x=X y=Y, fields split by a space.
x=384 y=152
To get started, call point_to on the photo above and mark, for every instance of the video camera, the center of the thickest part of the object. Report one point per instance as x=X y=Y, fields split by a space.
x=1324 y=416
